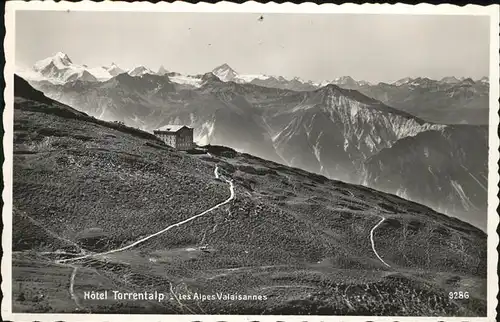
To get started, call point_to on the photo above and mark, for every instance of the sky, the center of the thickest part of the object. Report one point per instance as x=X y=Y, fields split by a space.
x=311 y=46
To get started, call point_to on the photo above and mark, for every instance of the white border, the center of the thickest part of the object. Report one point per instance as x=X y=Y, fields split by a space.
x=493 y=11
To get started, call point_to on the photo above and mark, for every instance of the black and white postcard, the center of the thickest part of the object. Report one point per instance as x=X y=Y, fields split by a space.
x=250 y=162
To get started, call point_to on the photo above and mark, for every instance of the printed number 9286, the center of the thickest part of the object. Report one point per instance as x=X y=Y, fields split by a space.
x=458 y=295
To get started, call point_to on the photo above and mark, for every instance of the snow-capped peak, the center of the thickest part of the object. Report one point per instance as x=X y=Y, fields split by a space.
x=59 y=60
x=62 y=57
x=249 y=78
x=450 y=80
x=60 y=69
x=343 y=79
x=469 y=81
x=224 y=72
x=140 y=70
x=162 y=71
x=224 y=66
x=114 y=70
x=299 y=80
x=323 y=83
x=421 y=81
x=403 y=81
x=113 y=65
x=484 y=79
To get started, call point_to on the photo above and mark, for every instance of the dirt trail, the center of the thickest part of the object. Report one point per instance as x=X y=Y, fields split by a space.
x=75 y=268
x=216 y=173
x=373 y=243
x=72 y=286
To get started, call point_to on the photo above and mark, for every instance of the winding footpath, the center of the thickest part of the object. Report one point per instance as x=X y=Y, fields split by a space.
x=231 y=197
x=71 y=288
x=75 y=268
x=217 y=176
x=373 y=243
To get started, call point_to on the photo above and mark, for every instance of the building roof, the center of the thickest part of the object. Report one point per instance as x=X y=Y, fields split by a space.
x=171 y=128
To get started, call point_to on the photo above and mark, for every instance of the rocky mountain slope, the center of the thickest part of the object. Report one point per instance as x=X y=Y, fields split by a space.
x=151 y=101
x=446 y=101
x=442 y=167
x=297 y=238
x=331 y=130
x=140 y=71
x=449 y=101
x=114 y=70
x=225 y=73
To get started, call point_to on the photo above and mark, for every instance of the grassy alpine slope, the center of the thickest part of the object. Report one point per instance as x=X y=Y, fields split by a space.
x=82 y=185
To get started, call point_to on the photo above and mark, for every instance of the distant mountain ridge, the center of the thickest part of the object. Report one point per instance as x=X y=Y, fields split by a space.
x=140 y=70
x=450 y=100
x=114 y=70
x=227 y=73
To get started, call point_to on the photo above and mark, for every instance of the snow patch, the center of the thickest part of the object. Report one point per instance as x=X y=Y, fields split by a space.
x=249 y=78
x=466 y=203
x=100 y=73
x=317 y=151
x=186 y=80
x=140 y=71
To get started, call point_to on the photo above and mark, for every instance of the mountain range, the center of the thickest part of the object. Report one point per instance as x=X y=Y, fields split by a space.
x=332 y=130
x=240 y=224
x=450 y=100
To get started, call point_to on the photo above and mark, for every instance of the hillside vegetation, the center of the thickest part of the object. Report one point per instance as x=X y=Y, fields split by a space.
x=331 y=130
x=82 y=185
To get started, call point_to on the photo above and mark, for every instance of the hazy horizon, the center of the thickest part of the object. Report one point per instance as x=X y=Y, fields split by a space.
x=375 y=48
